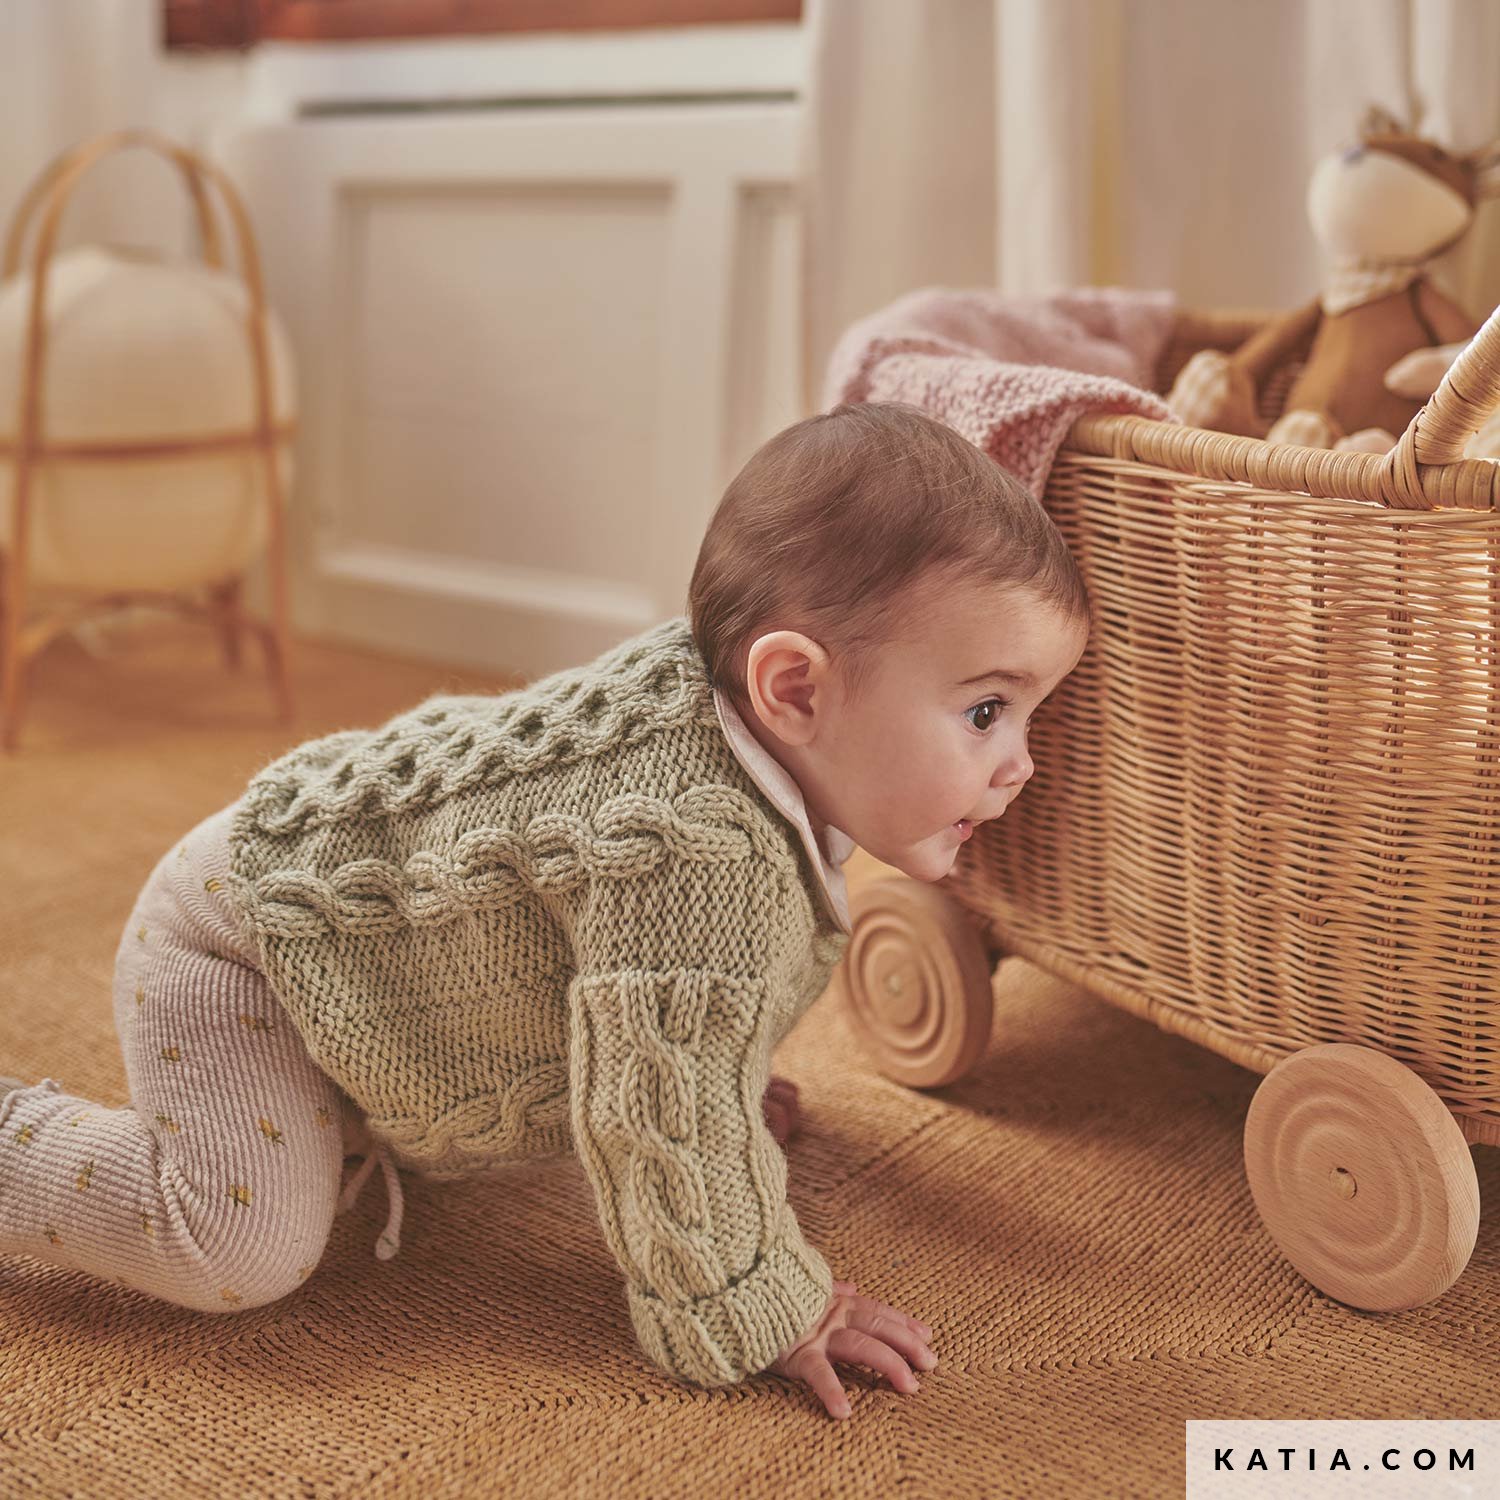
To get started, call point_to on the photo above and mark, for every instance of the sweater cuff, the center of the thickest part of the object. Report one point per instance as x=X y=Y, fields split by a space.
x=722 y=1339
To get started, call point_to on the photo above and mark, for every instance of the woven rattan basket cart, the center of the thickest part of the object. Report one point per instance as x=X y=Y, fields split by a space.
x=1265 y=815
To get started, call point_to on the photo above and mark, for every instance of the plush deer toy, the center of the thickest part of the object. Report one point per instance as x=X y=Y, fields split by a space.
x=1381 y=210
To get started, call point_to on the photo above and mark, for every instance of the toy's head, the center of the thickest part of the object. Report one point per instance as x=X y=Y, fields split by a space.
x=1395 y=196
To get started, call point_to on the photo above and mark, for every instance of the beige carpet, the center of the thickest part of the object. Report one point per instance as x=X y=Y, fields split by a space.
x=1073 y=1220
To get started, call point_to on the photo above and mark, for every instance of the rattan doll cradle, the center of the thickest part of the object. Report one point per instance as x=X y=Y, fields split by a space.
x=1265 y=815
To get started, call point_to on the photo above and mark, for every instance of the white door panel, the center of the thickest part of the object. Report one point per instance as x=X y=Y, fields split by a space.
x=533 y=347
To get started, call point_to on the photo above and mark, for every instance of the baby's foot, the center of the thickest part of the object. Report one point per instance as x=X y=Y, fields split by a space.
x=780 y=1109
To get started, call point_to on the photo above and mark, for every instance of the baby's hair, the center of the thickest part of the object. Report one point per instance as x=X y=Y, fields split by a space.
x=833 y=523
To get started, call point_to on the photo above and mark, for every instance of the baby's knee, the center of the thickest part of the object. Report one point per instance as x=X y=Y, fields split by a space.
x=253 y=1277
x=253 y=1258
x=263 y=1290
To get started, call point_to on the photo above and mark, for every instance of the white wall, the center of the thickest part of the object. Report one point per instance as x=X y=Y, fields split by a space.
x=71 y=69
x=535 y=334
x=535 y=345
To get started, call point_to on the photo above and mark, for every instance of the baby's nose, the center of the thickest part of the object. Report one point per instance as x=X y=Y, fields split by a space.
x=1015 y=777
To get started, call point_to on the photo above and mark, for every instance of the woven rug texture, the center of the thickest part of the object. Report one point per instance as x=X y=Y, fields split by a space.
x=1072 y=1218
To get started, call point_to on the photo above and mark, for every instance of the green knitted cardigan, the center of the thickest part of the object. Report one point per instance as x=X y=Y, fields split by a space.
x=564 y=919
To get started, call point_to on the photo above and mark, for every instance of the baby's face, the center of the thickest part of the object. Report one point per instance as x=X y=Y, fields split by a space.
x=928 y=739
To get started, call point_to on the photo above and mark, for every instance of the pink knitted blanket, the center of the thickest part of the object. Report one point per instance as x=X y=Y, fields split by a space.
x=1012 y=374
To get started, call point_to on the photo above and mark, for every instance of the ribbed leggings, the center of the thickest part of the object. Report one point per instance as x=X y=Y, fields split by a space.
x=215 y=1188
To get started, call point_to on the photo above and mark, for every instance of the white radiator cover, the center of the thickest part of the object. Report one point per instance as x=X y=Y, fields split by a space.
x=535 y=343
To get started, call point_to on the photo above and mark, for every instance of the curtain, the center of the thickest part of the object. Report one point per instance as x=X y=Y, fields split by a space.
x=1030 y=145
x=77 y=68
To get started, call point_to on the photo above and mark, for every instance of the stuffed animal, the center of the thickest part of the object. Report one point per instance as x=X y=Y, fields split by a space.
x=1381 y=210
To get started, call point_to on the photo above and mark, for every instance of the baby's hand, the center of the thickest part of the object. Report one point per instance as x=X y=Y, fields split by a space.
x=858 y=1331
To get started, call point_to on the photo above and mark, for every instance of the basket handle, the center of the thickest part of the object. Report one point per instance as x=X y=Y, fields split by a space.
x=1437 y=434
x=73 y=163
x=51 y=193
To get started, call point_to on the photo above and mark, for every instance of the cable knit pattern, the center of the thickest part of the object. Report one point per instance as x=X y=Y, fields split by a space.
x=563 y=918
x=491 y=869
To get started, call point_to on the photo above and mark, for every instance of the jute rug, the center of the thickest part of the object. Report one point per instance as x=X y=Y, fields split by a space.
x=1072 y=1218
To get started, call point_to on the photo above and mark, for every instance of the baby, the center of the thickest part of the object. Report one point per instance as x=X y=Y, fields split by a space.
x=578 y=917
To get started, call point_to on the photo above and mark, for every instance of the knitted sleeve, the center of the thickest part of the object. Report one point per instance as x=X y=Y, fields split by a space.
x=673 y=1012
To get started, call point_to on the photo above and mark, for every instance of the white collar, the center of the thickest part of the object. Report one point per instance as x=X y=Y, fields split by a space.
x=775 y=781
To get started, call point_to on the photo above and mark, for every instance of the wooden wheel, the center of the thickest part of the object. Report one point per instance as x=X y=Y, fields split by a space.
x=1362 y=1176
x=917 y=979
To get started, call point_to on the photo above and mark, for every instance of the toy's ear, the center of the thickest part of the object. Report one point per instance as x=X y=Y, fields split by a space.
x=1379 y=121
x=1486 y=164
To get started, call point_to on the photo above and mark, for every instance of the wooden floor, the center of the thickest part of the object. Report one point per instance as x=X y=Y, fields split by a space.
x=1072 y=1218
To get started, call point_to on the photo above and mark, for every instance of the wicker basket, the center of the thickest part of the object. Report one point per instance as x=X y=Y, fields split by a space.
x=1265 y=814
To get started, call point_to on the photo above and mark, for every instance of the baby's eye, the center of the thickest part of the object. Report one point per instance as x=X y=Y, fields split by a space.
x=984 y=707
